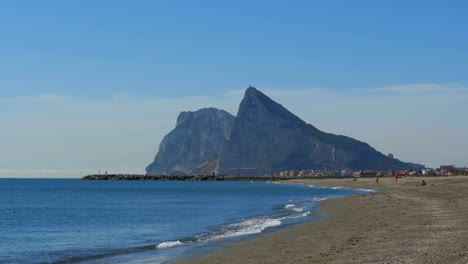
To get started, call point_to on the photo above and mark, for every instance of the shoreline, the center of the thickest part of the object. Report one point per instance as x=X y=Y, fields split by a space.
x=401 y=223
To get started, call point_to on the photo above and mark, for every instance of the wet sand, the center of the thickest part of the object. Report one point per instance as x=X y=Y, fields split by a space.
x=402 y=223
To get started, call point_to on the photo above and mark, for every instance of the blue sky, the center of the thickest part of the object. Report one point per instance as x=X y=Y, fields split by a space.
x=130 y=67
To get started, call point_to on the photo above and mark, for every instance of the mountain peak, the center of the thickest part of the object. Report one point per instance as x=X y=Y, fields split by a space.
x=257 y=105
x=251 y=90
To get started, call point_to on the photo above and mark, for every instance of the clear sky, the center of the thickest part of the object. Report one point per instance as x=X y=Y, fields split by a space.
x=88 y=85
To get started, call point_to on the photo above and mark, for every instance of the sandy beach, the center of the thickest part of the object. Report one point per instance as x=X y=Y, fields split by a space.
x=402 y=223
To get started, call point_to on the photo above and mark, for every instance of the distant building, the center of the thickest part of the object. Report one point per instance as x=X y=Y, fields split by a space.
x=293 y=173
x=428 y=172
x=450 y=168
x=390 y=155
x=346 y=173
x=440 y=172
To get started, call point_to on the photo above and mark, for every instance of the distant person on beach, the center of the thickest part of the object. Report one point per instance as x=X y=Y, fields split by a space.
x=377 y=179
x=355 y=179
x=423 y=183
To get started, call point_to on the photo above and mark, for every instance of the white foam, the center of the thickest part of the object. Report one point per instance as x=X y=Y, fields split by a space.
x=255 y=225
x=298 y=209
x=295 y=216
x=168 y=244
x=337 y=187
x=248 y=227
x=319 y=199
x=366 y=190
x=289 y=206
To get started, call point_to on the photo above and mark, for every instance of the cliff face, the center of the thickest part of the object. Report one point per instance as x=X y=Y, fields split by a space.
x=195 y=143
x=268 y=137
x=265 y=136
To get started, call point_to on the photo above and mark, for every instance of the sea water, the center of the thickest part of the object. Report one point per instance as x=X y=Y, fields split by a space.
x=74 y=221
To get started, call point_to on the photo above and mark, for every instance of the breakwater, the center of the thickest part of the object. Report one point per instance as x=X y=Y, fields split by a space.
x=149 y=177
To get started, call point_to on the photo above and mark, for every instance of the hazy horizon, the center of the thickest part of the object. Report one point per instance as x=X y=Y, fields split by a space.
x=96 y=85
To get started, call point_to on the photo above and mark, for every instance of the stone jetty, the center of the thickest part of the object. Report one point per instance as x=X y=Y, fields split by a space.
x=174 y=177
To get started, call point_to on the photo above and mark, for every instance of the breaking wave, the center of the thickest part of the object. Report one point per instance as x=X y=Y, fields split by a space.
x=249 y=226
x=169 y=244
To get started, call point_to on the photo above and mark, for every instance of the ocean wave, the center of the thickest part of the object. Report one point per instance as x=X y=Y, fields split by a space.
x=244 y=227
x=365 y=190
x=341 y=188
x=292 y=216
x=248 y=227
x=169 y=244
x=319 y=199
x=274 y=182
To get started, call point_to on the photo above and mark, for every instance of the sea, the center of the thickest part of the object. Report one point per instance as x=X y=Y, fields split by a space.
x=75 y=221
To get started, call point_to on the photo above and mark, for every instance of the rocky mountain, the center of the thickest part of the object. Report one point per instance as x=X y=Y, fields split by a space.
x=264 y=135
x=268 y=137
x=194 y=146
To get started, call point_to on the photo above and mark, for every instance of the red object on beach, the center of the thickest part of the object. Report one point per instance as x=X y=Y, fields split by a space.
x=400 y=174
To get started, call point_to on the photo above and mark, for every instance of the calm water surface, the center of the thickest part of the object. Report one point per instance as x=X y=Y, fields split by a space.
x=74 y=221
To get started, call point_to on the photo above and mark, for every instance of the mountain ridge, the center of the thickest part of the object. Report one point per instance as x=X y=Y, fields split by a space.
x=266 y=136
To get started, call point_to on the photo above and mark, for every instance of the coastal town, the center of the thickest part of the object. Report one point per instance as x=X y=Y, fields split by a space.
x=249 y=174
x=443 y=170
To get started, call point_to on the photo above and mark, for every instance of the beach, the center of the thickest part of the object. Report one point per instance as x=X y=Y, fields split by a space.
x=403 y=222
